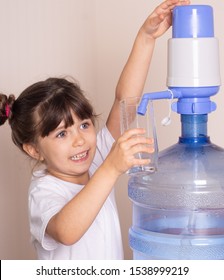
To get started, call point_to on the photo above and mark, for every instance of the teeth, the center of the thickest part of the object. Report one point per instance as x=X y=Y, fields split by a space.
x=79 y=156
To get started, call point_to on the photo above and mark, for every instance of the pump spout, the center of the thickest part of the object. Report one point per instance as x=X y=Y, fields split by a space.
x=167 y=94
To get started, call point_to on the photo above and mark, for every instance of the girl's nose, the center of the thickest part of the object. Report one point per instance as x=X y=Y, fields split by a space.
x=78 y=139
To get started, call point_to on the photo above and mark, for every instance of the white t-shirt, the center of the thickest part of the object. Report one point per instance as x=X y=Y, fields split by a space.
x=47 y=195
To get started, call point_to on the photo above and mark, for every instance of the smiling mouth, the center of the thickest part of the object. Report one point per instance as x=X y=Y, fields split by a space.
x=80 y=156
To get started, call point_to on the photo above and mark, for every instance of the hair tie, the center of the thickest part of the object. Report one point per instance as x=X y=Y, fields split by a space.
x=7 y=110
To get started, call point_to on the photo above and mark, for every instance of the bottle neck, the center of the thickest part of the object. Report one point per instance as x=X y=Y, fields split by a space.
x=194 y=128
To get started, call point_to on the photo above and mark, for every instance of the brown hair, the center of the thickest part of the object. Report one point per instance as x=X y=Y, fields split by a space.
x=41 y=107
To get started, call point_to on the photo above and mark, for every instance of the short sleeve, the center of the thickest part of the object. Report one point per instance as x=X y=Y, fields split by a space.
x=44 y=203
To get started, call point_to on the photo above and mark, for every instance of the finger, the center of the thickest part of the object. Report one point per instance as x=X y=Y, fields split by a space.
x=130 y=133
x=141 y=148
x=162 y=11
x=137 y=162
x=142 y=140
x=137 y=139
x=168 y=5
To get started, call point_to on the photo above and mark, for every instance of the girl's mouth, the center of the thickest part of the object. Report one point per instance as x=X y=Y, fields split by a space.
x=80 y=156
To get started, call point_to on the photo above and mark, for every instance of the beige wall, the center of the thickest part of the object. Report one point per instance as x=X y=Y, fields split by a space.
x=89 y=40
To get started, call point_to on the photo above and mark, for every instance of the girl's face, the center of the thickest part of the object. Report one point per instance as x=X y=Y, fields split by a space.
x=69 y=152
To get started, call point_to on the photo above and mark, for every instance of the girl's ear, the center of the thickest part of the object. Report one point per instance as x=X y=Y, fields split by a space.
x=32 y=151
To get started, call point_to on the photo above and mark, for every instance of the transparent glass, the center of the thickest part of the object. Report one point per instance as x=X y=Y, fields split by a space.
x=131 y=119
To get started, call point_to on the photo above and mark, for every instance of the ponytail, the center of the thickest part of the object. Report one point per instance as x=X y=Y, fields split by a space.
x=6 y=104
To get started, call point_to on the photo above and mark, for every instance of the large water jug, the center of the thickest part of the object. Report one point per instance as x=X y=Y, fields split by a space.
x=178 y=212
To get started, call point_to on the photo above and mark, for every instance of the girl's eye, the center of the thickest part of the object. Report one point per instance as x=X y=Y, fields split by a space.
x=61 y=134
x=85 y=125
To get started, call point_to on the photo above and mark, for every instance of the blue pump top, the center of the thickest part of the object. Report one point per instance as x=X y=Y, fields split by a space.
x=193 y=21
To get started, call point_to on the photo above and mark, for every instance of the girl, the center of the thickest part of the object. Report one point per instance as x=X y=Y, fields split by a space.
x=72 y=209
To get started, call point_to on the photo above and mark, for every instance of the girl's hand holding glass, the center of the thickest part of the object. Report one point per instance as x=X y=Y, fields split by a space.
x=122 y=156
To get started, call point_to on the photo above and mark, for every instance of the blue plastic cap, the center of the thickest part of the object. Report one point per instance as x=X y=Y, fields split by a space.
x=193 y=21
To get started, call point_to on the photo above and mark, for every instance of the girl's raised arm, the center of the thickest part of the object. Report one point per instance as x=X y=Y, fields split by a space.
x=133 y=76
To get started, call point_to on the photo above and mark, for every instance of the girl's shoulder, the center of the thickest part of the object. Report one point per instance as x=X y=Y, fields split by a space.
x=42 y=182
